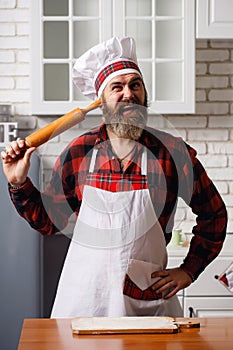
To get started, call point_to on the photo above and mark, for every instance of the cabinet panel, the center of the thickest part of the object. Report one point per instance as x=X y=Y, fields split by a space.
x=143 y=38
x=79 y=27
x=143 y=8
x=207 y=284
x=166 y=88
x=56 y=82
x=214 y=19
x=55 y=8
x=169 y=8
x=208 y=307
x=56 y=39
x=169 y=42
x=85 y=8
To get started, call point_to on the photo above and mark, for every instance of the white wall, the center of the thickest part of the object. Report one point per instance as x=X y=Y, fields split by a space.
x=210 y=130
x=15 y=55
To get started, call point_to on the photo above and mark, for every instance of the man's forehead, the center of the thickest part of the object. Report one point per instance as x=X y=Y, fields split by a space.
x=125 y=78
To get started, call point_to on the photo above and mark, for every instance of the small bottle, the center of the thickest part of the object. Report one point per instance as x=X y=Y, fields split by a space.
x=176 y=237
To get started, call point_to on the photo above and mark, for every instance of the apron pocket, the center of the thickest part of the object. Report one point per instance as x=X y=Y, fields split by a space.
x=138 y=281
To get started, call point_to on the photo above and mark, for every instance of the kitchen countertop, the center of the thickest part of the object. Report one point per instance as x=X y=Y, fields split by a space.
x=227 y=250
x=43 y=334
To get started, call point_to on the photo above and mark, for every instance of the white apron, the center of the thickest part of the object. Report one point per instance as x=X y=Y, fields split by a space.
x=117 y=234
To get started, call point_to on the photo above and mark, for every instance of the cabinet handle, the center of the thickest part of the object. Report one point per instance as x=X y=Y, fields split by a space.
x=191 y=311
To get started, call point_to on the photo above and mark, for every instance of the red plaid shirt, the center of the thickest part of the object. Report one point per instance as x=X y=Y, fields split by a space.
x=173 y=171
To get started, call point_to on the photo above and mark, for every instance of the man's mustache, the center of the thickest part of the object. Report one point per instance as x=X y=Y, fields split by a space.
x=132 y=105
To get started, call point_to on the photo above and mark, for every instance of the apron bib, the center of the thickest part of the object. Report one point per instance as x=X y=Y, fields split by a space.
x=117 y=243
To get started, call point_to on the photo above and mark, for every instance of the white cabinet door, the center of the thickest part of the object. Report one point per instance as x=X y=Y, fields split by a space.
x=208 y=307
x=214 y=19
x=164 y=31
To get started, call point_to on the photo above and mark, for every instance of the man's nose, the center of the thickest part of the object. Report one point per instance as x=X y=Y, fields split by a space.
x=127 y=93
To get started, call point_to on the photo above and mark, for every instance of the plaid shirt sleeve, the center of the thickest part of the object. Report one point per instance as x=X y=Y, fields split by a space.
x=211 y=221
x=49 y=212
x=35 y=208
x=185 y=177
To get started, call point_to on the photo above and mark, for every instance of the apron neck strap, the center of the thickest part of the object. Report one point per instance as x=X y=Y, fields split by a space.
x=143 y=161
x=93 y=159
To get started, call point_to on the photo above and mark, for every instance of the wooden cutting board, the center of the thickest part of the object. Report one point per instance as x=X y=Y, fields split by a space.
x=183 y=322
x=119 y=325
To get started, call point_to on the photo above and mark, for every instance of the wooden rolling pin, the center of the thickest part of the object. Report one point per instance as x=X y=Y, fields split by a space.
x=59 y=125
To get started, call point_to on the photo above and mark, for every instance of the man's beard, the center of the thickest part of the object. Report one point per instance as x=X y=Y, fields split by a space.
x=125 y=126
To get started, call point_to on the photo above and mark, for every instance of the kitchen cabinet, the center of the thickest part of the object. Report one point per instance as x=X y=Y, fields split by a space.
x=61 y=31
x=208 y=307
x=214 y=19
x=206 y=297
x=207 y=284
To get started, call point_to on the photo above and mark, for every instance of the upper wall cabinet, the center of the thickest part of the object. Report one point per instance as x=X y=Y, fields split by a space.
x=214 y=19
x=62 y=30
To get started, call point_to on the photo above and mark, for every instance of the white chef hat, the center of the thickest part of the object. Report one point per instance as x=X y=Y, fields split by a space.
x=96 y=67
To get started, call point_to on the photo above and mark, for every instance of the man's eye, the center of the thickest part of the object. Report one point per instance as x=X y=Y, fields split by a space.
x=116 y=87
x=135 y=86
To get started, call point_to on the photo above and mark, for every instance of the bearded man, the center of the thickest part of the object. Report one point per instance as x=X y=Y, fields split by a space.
x=122 y=180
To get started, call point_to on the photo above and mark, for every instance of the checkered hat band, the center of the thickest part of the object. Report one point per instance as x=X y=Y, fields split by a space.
x=113 y=67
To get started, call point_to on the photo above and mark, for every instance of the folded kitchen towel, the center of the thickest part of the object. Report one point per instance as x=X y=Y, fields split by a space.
x=226 y=278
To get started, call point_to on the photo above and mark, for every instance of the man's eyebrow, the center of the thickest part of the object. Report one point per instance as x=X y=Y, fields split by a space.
x=135 y=79
x=115 y=82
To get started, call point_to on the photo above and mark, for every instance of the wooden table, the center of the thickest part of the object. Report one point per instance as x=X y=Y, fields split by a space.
x=49 y=334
